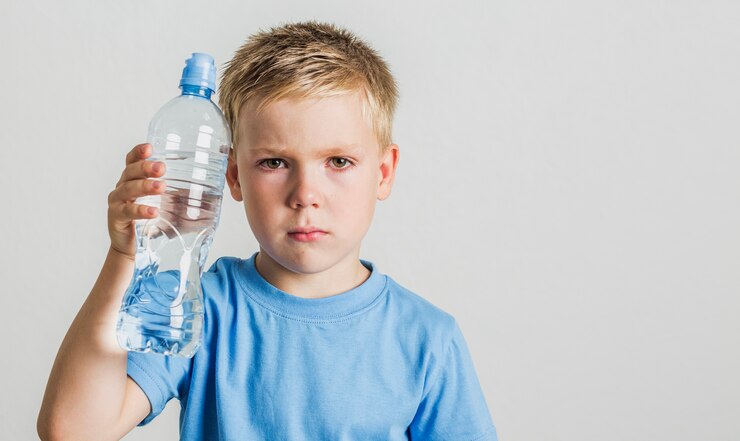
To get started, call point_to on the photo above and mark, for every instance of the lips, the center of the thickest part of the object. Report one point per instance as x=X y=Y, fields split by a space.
x=310 y=236
x=306 y=230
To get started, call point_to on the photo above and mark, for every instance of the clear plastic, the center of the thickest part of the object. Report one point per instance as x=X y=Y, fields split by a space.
x=162 y=309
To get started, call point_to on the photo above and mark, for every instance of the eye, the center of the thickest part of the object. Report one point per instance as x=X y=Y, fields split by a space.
x=341 y=163
x=272 y=162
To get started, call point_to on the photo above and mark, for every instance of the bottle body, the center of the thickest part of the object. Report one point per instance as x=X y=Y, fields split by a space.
x=162 y=309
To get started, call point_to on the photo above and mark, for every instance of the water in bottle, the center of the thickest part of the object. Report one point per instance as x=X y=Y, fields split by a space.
x=162 y=309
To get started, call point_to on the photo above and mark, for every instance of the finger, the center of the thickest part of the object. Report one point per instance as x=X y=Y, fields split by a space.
x=140 y=151
x=120 y=217
x=142 y=169
x=129 y=191
x=124 y=214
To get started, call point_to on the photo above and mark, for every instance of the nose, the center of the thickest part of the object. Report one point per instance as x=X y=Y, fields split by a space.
x=305 y=192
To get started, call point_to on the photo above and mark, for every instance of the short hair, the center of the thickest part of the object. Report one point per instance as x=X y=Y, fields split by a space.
x=308 y=60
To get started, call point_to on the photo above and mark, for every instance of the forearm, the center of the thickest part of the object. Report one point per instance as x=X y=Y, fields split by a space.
x=87 y=383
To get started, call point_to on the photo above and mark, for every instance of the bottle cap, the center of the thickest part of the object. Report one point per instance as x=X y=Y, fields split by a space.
x=200 y=70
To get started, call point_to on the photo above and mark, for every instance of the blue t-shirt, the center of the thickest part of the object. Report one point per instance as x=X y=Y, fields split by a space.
x=377 y=362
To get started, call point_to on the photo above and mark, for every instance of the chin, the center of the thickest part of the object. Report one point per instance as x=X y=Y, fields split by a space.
x=307 y=261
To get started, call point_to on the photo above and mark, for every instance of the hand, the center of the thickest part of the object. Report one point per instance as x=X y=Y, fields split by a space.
x=134 y=183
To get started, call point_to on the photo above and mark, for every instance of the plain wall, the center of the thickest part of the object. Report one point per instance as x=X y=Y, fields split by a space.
x=568 y=189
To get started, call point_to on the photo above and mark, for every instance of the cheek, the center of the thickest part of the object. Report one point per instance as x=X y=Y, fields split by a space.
x=261 y=186
x=259 y=195
x=355 y=198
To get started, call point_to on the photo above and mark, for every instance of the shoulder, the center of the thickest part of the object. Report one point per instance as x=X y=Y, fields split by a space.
x=409 y=302
x=223 y=264
x=221 y=271
x=218 y=283
x=420 y=318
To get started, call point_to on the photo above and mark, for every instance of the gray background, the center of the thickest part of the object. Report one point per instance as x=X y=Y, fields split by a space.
x=568 y=189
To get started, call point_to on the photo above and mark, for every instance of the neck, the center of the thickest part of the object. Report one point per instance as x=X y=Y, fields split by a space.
x=341 y=277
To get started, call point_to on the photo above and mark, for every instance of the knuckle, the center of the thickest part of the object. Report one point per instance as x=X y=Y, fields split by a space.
x=132 y=211
x=124 y=191
x=126 y=175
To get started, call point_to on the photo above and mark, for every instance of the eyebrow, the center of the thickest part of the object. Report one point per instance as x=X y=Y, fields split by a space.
x=351 y=148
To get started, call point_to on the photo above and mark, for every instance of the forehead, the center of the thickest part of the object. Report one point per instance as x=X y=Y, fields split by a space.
x=306 y=124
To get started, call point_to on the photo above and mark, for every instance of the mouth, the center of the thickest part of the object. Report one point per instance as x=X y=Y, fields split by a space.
x=306 y=230
x=307 y=237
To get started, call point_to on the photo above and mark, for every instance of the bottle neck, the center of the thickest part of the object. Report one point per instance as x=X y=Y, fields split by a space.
x=197 y=91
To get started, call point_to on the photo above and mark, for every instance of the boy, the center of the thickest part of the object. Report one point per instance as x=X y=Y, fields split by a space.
x=303 y=340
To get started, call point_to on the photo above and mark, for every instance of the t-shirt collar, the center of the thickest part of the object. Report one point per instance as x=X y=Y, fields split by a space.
x=334 y=308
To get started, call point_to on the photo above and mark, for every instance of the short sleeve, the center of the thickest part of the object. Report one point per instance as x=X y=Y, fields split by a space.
x=161 y=377
x=453 y=407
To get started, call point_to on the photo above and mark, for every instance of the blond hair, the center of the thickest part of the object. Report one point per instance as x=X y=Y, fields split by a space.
x=308 y=60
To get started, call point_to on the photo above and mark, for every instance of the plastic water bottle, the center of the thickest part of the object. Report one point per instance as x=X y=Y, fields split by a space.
x=162 y=309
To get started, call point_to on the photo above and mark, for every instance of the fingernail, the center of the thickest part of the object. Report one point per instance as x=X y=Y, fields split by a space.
x=157 y=184
x=158 y=167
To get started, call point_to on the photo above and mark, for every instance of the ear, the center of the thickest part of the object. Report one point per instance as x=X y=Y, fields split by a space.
x=388 y=164
x=232 y=176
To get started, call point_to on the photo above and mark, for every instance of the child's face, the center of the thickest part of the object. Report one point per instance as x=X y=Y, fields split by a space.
x=309 y=163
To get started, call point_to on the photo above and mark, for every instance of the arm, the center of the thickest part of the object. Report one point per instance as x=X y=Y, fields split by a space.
x=88 y=395
x=453 y=406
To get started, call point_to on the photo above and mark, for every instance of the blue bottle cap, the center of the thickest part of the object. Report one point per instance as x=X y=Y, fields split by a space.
x=200 y=70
